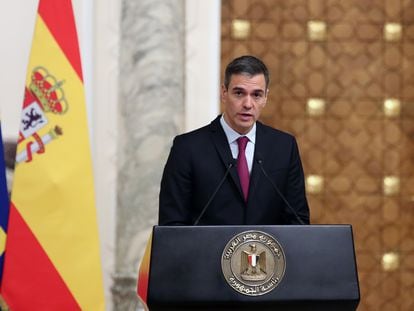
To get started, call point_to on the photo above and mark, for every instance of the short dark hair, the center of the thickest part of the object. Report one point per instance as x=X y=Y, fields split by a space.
x=246 y=64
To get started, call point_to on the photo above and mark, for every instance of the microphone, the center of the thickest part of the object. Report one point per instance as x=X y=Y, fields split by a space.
x=229 y=166
x=260 y=162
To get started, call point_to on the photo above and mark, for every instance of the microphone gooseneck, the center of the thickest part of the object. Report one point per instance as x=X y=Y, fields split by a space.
x=230 y=165
x=260 y=162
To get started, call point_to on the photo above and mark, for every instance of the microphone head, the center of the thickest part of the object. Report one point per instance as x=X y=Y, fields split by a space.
x=259 y=158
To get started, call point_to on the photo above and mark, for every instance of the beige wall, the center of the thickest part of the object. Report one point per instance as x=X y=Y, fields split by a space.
x=16 y=29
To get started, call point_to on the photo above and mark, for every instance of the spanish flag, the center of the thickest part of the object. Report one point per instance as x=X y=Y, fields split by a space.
x=52 y=250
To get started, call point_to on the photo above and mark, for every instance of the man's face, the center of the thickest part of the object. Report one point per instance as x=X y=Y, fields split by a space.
x=243 y=101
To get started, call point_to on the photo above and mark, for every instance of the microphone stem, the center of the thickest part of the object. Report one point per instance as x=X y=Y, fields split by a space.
x=214 y=194
x=281 y=195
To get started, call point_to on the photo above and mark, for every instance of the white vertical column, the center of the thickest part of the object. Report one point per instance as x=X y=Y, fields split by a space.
x=103 y=66
x=203 y=28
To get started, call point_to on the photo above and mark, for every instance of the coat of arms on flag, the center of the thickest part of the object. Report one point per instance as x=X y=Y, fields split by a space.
x=44 y=95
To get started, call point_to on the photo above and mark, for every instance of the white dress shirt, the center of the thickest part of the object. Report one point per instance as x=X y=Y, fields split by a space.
x=232 y=137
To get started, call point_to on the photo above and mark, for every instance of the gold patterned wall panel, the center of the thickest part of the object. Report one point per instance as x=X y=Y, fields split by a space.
x=343 y=83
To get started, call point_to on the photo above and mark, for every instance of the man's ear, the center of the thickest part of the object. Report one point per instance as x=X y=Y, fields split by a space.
x=266 y=94
x=223 y=91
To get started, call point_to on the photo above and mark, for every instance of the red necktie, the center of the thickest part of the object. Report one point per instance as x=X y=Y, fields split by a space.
x=242 y=167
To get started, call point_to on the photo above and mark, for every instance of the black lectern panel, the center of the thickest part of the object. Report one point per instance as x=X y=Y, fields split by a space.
x=319 y=273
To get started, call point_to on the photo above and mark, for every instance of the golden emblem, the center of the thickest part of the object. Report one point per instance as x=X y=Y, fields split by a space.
x=253 y=263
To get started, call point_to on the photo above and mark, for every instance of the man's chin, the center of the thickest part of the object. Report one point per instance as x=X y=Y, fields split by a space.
x=244 y=127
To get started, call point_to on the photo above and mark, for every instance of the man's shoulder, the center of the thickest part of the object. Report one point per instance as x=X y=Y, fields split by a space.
x=273 y=132
x=200 y=132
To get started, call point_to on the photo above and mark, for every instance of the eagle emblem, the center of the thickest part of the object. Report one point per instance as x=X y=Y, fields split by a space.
x=253 y=263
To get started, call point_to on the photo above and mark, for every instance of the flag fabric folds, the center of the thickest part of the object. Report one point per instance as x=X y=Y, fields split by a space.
x=52 y=250
x=143 y=274
x=4 y=206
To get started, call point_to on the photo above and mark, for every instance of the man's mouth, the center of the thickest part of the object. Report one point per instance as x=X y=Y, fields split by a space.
x=245 y=116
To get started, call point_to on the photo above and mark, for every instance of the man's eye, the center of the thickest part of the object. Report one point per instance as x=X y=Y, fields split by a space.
x=238 y=93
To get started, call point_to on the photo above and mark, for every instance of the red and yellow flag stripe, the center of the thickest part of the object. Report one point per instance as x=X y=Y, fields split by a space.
x=143 y=274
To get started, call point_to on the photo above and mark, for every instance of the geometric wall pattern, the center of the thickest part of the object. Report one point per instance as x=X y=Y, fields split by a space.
x=342 y=81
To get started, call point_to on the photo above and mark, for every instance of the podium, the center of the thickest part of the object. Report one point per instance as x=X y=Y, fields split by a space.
x=253 y=267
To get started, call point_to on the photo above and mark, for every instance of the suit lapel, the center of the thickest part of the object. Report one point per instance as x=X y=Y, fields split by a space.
x=223 y=149
x=259 y=154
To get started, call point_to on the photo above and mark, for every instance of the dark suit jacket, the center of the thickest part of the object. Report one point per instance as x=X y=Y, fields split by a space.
x=198 y=161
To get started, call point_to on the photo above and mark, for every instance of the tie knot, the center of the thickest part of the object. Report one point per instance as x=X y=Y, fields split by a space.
x=242 y=142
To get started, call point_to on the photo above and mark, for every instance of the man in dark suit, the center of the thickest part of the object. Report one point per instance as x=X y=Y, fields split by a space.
x=203 y=182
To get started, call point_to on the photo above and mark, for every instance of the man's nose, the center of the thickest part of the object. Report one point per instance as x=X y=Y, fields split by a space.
x=248 y=103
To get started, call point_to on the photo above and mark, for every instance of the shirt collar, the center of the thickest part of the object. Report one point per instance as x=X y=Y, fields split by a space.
x=232 y=135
